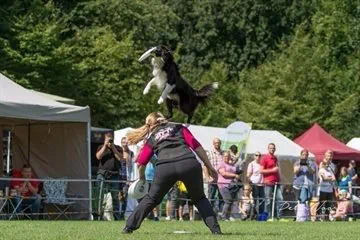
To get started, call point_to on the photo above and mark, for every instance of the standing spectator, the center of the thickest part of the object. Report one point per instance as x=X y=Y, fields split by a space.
x=28 y=190
x=303 y=169
x=109 y=156
x=185 y=198
x=216 y=157
x=236 y=159
x=326 y=184
x=227 y=175
x=353 y=174
x=172 y=202
x=271 y=172
x=257 y=181
x=344 y=181
x=125 y=171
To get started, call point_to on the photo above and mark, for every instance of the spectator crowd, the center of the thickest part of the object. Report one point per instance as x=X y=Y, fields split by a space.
x=326 y=191
x=254 y=190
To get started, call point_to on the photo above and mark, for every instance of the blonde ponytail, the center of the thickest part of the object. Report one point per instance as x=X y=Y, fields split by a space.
x=138 y=134
x=153 y=120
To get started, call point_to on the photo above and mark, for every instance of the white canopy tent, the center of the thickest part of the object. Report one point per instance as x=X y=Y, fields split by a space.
x=354 y=143
x=286 y=150
x=53 y=137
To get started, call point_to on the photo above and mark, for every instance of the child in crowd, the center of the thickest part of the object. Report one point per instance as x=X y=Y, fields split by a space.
x=344 y=207
x=246 y=203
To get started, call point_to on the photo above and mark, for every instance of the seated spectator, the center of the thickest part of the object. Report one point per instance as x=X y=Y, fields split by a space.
x=185 y=198
x=27 y=191
x=344 y=207
x=226 y=179
x=246 y=203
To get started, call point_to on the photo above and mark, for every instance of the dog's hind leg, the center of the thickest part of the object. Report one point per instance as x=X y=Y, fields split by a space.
x=169 y=105
x=165 y=93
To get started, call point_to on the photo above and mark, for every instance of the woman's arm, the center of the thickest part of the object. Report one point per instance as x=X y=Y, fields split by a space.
x=204 y=158
x=249 y=172
x=141 y=169
x=350 y=187
x=228 y=174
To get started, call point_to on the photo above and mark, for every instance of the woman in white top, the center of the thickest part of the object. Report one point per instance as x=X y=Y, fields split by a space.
x=255 y=178
x=327 y=182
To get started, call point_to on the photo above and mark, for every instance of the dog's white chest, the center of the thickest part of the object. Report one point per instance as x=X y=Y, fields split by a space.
x=159 y=75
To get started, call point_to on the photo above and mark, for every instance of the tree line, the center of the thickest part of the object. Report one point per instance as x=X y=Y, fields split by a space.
x=281 y=65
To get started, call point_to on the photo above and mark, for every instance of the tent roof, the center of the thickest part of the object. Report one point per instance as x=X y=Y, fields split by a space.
x=55 y=97
x=258 y=141
x=354 y=143
x=318 y=141
x=19 y=102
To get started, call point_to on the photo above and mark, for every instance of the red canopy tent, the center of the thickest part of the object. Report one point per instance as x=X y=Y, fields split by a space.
x=317 y=141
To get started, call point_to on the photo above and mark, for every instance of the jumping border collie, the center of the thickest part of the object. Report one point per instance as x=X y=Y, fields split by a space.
x=174 y=89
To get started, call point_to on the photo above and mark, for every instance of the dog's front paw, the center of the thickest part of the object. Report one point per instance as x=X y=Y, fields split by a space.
x=146 y=90
x=160 y=101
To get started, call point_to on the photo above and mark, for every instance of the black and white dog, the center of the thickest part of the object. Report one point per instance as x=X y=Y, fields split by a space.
x=174 y=89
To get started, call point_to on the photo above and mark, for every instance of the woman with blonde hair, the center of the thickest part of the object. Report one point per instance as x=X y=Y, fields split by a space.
x=173 y=145
x=227 y=184
x=327 y=183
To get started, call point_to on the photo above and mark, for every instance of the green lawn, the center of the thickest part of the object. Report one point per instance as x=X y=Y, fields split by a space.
x=78 y=230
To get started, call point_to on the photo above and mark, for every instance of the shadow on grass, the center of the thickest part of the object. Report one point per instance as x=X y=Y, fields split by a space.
x=257 y=234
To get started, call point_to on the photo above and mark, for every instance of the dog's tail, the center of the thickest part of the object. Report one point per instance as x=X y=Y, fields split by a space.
x=206 y=91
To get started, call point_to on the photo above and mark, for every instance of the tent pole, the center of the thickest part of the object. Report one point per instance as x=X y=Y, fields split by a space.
x=89 y=169
x=8 y=154
x=28 y=153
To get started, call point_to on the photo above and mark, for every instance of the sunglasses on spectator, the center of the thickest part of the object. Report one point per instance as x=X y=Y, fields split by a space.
x=257 y=155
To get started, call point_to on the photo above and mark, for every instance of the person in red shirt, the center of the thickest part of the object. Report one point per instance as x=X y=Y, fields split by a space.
x=271 y=172
x=26 y=190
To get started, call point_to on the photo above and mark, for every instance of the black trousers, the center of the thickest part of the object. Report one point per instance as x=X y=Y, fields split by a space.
x=188 y=171
x=259 y=198
x=325 y=199
x=213 y=194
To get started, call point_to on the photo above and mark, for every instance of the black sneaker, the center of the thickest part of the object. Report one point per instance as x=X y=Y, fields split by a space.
x=217 y=232
x=127 y=230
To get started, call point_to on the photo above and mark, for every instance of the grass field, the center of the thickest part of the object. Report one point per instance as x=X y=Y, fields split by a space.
x=79 y=230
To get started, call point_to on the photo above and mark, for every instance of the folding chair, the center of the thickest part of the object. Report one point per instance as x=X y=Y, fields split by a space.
x=55 y=196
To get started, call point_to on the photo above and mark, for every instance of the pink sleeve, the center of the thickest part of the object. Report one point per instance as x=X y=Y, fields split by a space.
x=189 y=139
x=145 y=155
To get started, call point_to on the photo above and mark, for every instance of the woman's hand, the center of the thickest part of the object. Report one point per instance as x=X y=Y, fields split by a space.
x=212 y=173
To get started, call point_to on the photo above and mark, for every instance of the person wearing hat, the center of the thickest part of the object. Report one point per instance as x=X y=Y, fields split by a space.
x=174 y=145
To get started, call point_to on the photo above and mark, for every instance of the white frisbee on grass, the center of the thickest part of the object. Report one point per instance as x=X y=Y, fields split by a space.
x=146 y=54
x=138 y=189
